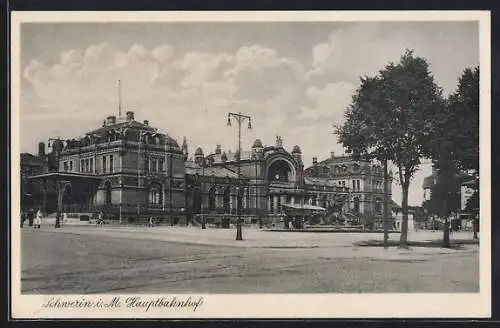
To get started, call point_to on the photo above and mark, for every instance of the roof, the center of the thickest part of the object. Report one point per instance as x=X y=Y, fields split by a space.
x=131 y=124
x=231 y=156
x=257 y=144
x=296 y=150
x=215 y=171
x=27 y=158
x=198 y=151
x=123 y=128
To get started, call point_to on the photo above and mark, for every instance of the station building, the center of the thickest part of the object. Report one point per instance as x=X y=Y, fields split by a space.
x=129 y=169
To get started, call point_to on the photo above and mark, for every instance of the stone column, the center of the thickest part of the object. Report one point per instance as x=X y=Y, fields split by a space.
x=275 y=204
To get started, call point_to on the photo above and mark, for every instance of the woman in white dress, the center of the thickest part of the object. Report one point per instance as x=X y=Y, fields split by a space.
x=38 y=219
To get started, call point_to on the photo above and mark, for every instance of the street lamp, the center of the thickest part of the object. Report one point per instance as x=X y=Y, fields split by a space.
x=240 y=118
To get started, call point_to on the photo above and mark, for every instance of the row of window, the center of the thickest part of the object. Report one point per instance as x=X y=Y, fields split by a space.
x=356 y=185
x=87 y=165
x=154 y=164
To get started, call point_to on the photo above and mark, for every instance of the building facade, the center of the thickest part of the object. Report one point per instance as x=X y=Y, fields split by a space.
x=129 y=169
x=31 y=165
x=363 y=180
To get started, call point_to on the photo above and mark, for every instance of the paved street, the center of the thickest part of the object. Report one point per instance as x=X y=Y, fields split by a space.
x=87 y=259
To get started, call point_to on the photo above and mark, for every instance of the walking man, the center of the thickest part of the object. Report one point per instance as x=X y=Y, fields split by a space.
x=58 y=220
x=30 y=217
x=38 y=219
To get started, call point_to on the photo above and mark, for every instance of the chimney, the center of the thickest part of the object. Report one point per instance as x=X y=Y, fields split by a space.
x=41 y=149
x=130 y=116
x=110 y=120
x=315 y=160
x=332 y=154
x=146 y=122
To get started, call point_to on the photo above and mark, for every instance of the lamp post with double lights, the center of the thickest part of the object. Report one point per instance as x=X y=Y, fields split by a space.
x=239 y=118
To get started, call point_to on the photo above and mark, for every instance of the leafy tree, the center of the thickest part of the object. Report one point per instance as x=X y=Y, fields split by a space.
x=454 y=142
x=388 y=120
x=463 y=115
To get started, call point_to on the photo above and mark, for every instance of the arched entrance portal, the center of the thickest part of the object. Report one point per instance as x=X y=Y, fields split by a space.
x=280 y=171
x=67 y=198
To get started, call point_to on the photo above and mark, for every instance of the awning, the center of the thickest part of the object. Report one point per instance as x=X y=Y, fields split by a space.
x=304 y=207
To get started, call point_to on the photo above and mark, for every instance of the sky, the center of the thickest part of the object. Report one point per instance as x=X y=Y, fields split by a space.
x=294 y=79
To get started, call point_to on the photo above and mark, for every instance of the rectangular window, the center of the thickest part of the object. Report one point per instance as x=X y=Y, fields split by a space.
x=104 y=164
x=353 y=184
x=153 y=165
x=146 y=164
x=358 y=183
x=65 y=166
x=92 y=165
x=71 y=166
x=111 y=163
x=81 y=165
x=160 y=165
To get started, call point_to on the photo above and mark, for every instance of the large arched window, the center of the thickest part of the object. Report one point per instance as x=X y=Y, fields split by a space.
x=155 y=194
x=107 y=193
x=211 y=199
x=356 y=204
x=279 y=171
x=227 y=200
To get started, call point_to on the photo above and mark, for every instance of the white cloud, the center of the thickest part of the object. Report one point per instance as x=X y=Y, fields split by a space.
x=189 y=93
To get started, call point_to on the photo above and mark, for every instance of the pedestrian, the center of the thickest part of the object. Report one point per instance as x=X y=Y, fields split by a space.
x=23 y=218
x=38 y=219
x=100 y=220
x=58 y=220
x=290 y=225
x=30 y=217
x=151 y=222
x=65 y=217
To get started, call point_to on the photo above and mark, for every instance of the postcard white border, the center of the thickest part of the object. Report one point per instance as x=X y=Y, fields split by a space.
x=476 y=305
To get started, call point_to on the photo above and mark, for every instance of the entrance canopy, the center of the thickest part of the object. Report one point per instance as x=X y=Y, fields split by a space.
x=65 y=176
x=302 y=210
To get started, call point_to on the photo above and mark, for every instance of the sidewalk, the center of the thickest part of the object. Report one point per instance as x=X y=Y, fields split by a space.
x=253 y=237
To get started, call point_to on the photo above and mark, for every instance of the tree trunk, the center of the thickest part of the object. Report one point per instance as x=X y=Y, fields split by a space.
x=446 y=230
x=403 y=241
x=386 y=206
